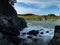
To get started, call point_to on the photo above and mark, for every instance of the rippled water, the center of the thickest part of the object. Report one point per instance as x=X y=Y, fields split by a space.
x=46 y=24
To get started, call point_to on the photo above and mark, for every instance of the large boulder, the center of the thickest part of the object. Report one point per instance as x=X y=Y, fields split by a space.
x=11 y=27
x=57 y=29
x=56 y=39
x=10 y=24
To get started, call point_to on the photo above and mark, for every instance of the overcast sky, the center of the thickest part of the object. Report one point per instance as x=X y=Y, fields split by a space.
x=38 y=6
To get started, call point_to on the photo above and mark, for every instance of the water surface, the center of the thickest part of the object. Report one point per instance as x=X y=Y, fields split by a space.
x=46 y=24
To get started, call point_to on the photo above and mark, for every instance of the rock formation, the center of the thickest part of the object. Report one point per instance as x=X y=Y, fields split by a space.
x=56 y=39
x=10 y=24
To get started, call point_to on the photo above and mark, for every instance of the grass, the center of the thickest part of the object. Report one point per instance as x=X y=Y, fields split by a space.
x=37 y=17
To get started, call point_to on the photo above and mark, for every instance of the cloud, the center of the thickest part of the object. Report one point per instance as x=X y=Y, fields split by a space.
x=38 y=6
x=22 y=10
x=41 y=3
x=21 y=4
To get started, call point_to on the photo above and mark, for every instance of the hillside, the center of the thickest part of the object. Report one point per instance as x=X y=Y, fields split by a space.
x=39 y=17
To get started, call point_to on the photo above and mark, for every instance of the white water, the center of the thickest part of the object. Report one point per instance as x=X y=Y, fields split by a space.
x=43 y=39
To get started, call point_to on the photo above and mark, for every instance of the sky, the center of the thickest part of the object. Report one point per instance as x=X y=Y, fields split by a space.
x=39 y=7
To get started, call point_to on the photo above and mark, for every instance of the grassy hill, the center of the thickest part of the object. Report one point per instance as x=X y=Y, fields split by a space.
x=39 y=17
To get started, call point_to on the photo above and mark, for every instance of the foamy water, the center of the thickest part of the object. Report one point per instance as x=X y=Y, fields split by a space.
x=43 y=39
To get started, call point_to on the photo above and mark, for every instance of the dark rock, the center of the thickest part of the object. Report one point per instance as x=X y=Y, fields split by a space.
x=57 y=29
x=13 y=39
x=10 y=24
x=10 y=28
x=33 y=32
x=29 y=37
x=55 y=40
x=12 y=2
x=7 y=9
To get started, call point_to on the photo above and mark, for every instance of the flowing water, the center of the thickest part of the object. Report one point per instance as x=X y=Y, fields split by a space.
x=46 y=24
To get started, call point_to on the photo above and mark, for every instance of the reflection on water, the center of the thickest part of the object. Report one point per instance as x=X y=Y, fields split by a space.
x=47 y=24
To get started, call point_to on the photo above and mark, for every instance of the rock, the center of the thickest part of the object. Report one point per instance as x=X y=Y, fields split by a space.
x=10 y=28
x=7 y=9
x=12 y=2
x=10 y=24
x=57 y=29
x=56 y=39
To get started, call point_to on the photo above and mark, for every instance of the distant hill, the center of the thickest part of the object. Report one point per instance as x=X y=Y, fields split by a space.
x=26 y=14
x=39 y=17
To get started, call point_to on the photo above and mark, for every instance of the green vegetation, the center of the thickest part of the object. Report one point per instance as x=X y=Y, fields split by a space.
x=39 y=17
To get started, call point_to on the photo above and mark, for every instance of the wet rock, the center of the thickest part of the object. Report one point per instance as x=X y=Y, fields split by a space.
x=57 y=29
x=11 y=27
x=56 y=39
x=10 y=24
